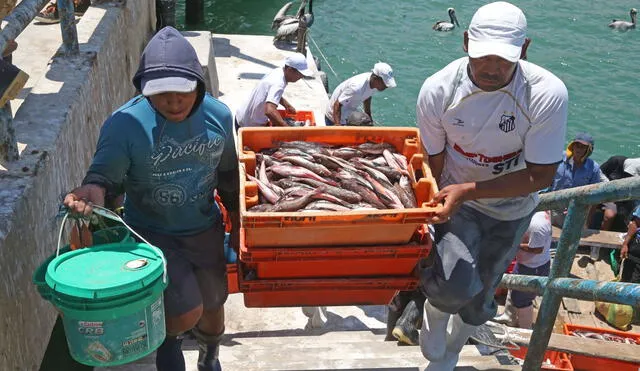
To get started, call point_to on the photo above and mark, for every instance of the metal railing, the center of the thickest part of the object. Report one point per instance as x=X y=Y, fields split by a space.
x=13 y=25
x=557 y=285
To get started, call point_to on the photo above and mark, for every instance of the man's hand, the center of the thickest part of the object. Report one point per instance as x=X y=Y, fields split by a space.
x=290 y=109
x=453 y=196
x=82 y=198
x=624 y=252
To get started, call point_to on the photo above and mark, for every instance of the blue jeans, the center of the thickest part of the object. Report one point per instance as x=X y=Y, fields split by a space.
x=472 y=253
x=521 y=299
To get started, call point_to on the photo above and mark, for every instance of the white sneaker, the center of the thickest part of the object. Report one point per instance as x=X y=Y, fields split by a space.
x=433 y=335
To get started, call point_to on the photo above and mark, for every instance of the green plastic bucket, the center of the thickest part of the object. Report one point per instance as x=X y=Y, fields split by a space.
x=103 y=236
x=110 y=297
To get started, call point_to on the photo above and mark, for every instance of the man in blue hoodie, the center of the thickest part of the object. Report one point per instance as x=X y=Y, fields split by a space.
x=169 y=149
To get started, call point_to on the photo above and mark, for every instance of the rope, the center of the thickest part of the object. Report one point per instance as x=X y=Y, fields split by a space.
x=323 y=56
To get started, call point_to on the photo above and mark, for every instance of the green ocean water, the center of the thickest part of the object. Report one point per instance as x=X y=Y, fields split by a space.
x=599 y=66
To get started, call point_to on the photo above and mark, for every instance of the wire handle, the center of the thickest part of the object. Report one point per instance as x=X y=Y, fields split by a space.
x=106 y=213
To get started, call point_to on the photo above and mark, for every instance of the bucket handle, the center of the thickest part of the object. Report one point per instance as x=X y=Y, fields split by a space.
x=106 y=213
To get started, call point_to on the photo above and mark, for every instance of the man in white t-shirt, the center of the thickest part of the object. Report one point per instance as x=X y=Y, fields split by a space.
x=533 y=259
x=261 y=106
x=357 y=90
x=494 y=128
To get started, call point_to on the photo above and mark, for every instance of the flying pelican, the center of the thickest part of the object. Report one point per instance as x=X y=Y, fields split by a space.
x=447 y=26
x=624 y=25
x=286 y=26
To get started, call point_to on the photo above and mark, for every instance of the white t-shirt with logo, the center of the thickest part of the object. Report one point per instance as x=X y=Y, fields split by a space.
x=350 y=93
x=269 y=90
x=489 y=134
x=539 y=236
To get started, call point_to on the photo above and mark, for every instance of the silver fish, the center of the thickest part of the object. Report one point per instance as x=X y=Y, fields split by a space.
x=291 y=170
x=320 y=205
x=267 y=192
x=296 y=204
x=387 y=196
x=302 y=162
x=368 y=195
x=375 y=148
x=343 y=194
x=407 y=201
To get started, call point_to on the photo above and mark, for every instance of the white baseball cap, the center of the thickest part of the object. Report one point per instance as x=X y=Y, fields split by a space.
x=299 y=62
x=385 y=72
x=175 y=84
x=498 y=28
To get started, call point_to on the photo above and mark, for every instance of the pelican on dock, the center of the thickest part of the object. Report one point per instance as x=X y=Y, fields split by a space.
x=286 y=26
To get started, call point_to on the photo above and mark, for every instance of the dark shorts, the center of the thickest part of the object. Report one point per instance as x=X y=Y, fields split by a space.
x=523 y=299
x=196 y=267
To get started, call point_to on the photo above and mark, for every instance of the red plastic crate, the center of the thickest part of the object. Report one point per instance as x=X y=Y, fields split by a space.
x=299 y=116
x=586 y=363
x=334 y=261
x=232 y=278
x=322 y=291
x=560 y=361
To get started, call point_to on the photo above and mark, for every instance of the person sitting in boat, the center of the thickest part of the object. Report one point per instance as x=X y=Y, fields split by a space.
x=620 y=167
x=170 y=148
x=578 y=169
x=261 y=106
x=357 y=90
x=630 y=250
x=533 y=259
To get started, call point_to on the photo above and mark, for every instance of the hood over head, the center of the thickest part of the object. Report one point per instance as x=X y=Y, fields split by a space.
x=169 y=63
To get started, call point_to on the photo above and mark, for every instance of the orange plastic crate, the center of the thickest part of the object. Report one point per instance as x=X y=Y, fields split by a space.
x=560 y=361
x=294 y=229
x=323 y=292
x=334 y=261
x=232 y=278
x=586 y=363
x=299 y=116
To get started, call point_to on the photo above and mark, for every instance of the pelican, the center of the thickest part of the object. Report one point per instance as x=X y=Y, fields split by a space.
x=286 y=26
x=447 y=26
x=624 y=25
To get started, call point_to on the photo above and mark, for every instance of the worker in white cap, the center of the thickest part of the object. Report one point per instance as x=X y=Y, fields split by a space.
x=261 y=106
x=498 y=122
x=357 y=90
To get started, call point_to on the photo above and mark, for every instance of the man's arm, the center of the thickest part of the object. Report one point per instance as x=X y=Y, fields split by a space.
x=519 y=183
x=367 y=107
x=631 y=231
x=287 y=106
x=271 y=111
x=337 y=112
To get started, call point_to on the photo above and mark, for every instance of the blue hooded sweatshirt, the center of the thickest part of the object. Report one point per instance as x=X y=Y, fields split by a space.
x=168 y=170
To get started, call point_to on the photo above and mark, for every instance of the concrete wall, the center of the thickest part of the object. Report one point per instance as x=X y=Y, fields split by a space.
x=59 y=123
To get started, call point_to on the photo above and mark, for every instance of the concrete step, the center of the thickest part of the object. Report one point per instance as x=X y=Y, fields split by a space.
x=318 y=353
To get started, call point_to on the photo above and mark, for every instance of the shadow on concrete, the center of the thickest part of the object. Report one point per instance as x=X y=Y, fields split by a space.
x=222 y=48
x=285 y=45
x=251 y=76
x=231 y=339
